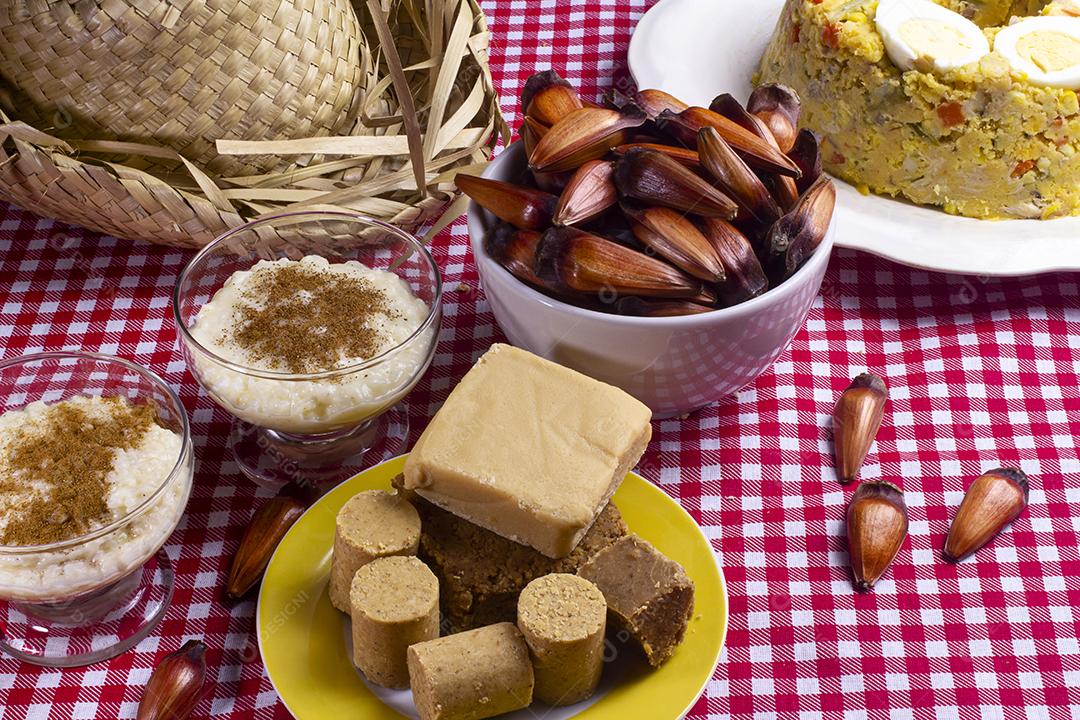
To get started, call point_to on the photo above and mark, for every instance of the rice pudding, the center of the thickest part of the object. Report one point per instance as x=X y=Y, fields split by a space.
x=71 y=468
x=304 y=317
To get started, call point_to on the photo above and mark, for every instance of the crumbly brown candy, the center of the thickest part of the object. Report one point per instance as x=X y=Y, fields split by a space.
x=648 y=595
x=563 y=618
x=72 y=456
x=289 y=304
x=472 y=675
x=481 y=574
x=372 y=524
x=395 y=604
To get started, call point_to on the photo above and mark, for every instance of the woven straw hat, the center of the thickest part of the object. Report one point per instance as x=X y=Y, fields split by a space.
x=173 y=120
x=184 y=73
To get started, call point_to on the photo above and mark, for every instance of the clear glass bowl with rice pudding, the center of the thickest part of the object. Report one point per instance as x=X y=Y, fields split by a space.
x=310 y=328
x=95 y=472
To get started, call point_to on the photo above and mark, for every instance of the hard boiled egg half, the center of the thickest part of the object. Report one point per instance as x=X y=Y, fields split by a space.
x=1045 y=49
x=920 y=34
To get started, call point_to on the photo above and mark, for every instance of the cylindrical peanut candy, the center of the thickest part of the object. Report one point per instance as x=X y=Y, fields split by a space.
x=563 y=618
x=395 y=604
x=372 y=524
x=472 y=675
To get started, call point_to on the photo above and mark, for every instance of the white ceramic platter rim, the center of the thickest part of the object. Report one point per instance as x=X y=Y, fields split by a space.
x=697 y=49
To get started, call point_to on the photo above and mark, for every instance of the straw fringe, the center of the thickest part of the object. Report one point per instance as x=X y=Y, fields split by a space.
x=395 y=161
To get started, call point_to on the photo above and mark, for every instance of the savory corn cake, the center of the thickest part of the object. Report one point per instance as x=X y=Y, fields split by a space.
x=994 y=13
x=969 y=105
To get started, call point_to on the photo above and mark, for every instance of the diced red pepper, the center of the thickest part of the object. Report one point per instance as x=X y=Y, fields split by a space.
x=951 y=114
x=1023 y=168
x=831 y=36
x=796 y=33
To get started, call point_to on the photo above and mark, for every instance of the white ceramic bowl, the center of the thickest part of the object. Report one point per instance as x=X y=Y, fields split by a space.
x=673 y=365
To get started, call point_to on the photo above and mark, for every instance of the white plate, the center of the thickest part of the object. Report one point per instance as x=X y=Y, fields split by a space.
x=697 y=49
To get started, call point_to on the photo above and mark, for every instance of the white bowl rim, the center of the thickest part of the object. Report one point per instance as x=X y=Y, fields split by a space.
x=477 y=233
x=178 y=466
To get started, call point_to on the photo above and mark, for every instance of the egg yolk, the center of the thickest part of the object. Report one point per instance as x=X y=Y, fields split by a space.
x=1049 y=50
x=932 y=39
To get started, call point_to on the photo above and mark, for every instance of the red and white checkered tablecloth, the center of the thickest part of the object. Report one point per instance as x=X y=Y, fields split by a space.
x=983 y=373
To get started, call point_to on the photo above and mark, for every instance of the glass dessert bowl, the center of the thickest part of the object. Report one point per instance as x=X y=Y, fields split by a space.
x=95 y=472
x=310 y=328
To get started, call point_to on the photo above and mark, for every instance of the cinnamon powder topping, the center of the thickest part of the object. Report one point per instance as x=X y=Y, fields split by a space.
x=306 y=320
x=53 y=472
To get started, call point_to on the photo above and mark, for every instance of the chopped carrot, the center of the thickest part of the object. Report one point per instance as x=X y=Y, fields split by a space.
x=951 y=114
x=831 y=36
x=1023 y=168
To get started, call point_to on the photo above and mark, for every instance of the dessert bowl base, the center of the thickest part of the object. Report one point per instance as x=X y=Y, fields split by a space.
x=91 y=628
x=273 y=459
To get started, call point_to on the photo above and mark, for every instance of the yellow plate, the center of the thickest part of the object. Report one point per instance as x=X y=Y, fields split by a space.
x=302 y=639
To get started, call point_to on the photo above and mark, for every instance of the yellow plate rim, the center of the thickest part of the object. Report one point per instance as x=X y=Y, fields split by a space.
x=592 y=711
